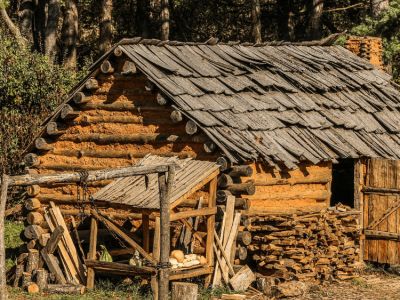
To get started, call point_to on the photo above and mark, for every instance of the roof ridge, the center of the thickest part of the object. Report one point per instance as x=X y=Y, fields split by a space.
x=212 y=41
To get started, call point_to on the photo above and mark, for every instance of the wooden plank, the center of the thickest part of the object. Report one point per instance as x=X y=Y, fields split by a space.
x=92 y=252
x=224 y=254
x=53 y=266
x=69 y=267
x=178 y=275
x=193 y=213
x=211 y=226
x=123 y=235
x=221 y=236
x=231 y=239
x=68 y=241
x=229 y=215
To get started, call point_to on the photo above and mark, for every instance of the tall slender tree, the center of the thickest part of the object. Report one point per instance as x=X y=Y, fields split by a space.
x=314 y=27
x=256 y=20
x=69 y=34
x=26 y=18
x=164 y=20
x=106 y=32
x=143 y=17
x=39 y=25
x=53 y=15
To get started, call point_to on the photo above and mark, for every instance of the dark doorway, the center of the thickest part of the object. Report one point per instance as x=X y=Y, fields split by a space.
x=343 y=182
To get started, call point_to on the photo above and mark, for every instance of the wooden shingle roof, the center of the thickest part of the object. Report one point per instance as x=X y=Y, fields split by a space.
x=143 y=191
x=281 y=104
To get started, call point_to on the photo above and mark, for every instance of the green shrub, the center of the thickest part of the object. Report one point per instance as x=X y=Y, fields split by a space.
x=30 y=88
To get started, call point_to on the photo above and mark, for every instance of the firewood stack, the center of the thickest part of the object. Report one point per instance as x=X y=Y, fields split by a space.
x=307 y=246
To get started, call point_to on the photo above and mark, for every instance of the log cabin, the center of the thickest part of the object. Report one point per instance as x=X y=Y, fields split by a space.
x=294 y=127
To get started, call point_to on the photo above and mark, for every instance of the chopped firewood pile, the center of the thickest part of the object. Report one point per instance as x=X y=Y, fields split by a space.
x=322 y=245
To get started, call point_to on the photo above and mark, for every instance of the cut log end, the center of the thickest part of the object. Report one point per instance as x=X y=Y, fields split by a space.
x=161 y=99
x=52 y=129
x=31 y=160
x=176 y=116
x=223 y=163
x=118 y=52
x=80 y=97
x=41 y=144
x=128 y=68
x=209 y=147
x=191 y=127
x=91 y=84
x=67 y=112
x=106 y=67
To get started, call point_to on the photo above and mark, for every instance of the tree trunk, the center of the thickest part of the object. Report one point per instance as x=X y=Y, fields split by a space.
x=3 y=199
x=26 y=18
x=256 y=20
x=314 y=28
x=142 y=18
x=285 y=22
x=378 y=7
x=14 y=30
x=51 y=28
x=70 y=34
x=39 y=26
x=105 y=38
x=164 y=20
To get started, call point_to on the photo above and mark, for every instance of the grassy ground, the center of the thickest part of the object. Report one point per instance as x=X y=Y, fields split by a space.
x=12 y=241
x=108 y=290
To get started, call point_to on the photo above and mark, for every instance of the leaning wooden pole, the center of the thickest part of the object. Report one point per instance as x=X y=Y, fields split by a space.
x=3 y=200
x=165 y=186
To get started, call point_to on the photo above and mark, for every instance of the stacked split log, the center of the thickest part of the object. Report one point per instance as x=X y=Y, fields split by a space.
x=308 y=246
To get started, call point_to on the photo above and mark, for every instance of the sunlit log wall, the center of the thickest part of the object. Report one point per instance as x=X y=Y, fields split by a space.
x=119 y=116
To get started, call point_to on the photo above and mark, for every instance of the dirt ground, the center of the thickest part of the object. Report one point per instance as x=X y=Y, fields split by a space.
x=371 y=286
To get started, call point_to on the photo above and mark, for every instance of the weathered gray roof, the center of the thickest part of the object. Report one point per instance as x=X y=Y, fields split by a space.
x=282 y=104
x=143 y=192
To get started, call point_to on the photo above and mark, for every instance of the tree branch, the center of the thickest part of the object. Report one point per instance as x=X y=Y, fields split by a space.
x=14 y=30
x=344 y=8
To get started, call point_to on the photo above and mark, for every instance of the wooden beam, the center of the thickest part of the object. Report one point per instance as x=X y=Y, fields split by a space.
x=92 y=253
x=3 y=201
x=104 y=174
x=118 y=268
x=379 y=190
x=165 y=187
x=377 y=234
x=146 y=232
x=156 y=256
x=193 y=213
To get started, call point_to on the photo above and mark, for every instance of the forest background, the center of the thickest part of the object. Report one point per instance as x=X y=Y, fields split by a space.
x=46 y=45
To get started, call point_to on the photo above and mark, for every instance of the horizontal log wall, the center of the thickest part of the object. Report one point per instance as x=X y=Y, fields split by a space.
x=113 y=125
x=306 y=189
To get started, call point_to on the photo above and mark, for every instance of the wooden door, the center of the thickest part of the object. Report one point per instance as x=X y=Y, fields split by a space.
x=381 y=211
